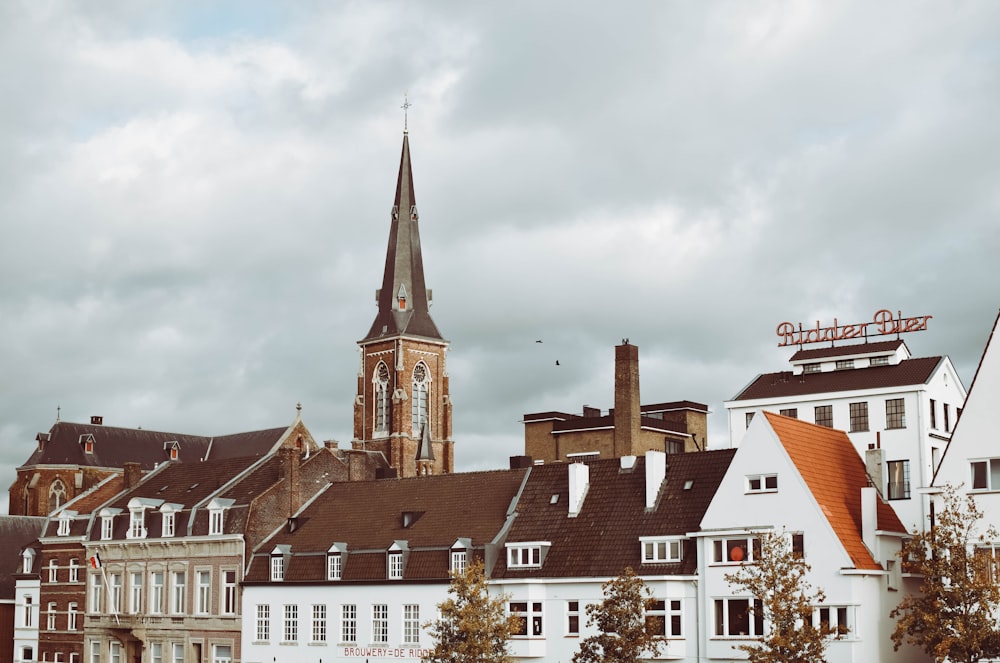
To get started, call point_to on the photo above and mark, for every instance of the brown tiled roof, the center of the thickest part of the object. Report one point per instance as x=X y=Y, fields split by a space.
x=604 y=538
x=16 y=532
x=254 y=443
x=85 y=503
x=846 y=350
x=835 y=475
x=675 y=405
x=368 y=517
x=782 y=385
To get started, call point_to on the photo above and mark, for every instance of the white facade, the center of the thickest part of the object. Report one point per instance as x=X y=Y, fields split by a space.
x=861 y=596
x=26 y=610
x=901 y=458
x=332 y=622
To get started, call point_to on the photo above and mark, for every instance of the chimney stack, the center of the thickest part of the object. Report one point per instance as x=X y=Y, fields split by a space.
x=627 y=413
x=288 y=462
x=133 y=472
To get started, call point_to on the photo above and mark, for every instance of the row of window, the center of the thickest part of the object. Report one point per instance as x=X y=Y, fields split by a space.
x=895 y=415
x=137 y=519
x=844 y=364
x=335 y=564
x=742 y=617
x=159 y=652
x=312 y=626
x=167 y=593
x=420 y=394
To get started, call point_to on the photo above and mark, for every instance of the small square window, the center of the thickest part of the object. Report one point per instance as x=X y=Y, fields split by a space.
x=762 y=483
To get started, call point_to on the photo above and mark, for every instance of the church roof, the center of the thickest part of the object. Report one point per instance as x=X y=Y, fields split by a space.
x=404 y=268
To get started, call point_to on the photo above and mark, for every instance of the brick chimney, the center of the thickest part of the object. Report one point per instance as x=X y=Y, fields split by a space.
x=627 y=413
x=288 y=462
x=133 y=472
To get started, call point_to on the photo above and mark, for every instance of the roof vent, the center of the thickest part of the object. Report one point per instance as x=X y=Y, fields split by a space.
x=97 y=420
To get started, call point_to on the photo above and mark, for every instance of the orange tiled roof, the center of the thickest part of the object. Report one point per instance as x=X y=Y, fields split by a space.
x=835 y=474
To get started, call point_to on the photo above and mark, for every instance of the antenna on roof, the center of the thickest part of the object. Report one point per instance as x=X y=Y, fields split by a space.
x=58 y=409
x=406 y=107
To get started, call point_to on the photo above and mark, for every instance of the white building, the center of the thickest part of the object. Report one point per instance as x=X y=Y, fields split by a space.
x=807 y=482
x=898 y=410
x=26 y=613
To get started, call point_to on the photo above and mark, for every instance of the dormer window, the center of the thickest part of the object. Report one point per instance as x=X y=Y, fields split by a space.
x=65 y=522
x=217 y=515
x=659 y=550
x=108 y=523
x=459 y=558
x=401 y=297
x=87 y=441
x=137 y=524
x=811 y=368
x=168 y=519
x=334 y=565
x=844 y=364
x=172 y=449
x=278 y=558
x=396 y=565
x=525 y=555
x=27 y=560
x=879 y=361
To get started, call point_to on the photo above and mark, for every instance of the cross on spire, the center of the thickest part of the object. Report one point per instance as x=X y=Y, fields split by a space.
x=406 y=107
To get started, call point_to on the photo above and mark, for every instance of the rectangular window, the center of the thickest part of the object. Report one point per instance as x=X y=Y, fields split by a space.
x=263 y=622
x=277 y=568
x=524 y=556
x=661 y=550
x=178 y=604
x=71 y=614
x=733 y=618
x=291 y=623
x=107 y=527
x=115 y=651
x=74 y=570
x=899 y=479
x=572 y=618
x=380 y=623
x=51 y=620
x=792 y=412
x=53 y=571
x=137 y=524
x=319 y=622
x=986 y=474
x=178 y=648
x=844 y=364
x=156 y=579
x=334 y=566
x=664 y=618
x=96 y=594
x=229 y=592
x=458 y=561
x=115 y=593
x=735 y=551
x=859 y=417
x=811 y=368
x=762 y=483
x=839 y=619
x=947 y=418
x=878 y=361
x=411 y=624
x=824 y=415
x=222 y=654
x=204 y=580
x=895 y=413
x=215 y=521
x=95 y=651
x=749 y=416
x=156 y=652
x=349 y=623
x=798 y=545
x=135 y=592
x=933 y=409
x=168 y=525
x=395 y=566
x=531 y=618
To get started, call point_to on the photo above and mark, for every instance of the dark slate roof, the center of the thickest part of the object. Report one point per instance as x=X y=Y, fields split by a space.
x=404 y=267
x=784 y=384
x=368 y=517
x=113 y=447
x=16 y=532
x=185 y=483
x=674 y=405
x=847 y=350
x=604 y=538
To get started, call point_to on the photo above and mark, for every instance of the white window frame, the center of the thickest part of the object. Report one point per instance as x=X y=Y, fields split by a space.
x=178 y=592
x=135 y=592
x=722 y=549
x=722 y=627
x=53 y=570
x=349 y=623
x=762 y=483
x=64 y=525
x=411 y=624
x=222 y=653
x=526 y=555
x=203 y=581
x=459 y=560
x=334 y=566
x=573 y=614
x=263 y=626
x=50 y=616
x=137 y=523
x=532 y=618
x=230 y=596
x=661 y=550
x=991 y=475
x=395 y=560
x=168 y=524
x=74 y=570
x=72 y=612
x=96 y=594
x=842 y=619
x=277 y=568
x=216 y=521
x=290 y=626
x=107 y=527
x=380 y=623
x=157 y=591
x=318 y=622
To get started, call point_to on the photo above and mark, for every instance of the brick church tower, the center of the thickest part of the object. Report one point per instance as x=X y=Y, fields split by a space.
x=402 y=407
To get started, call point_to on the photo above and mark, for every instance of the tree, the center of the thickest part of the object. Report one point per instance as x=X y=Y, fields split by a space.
x=473 y=627
x=625 y=633
x=784 y=600
x=955 y=614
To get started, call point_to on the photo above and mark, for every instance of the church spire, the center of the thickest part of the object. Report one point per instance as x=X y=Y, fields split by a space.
x=403 y=300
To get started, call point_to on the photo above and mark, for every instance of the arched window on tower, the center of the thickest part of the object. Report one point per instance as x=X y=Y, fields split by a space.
x=57 y=495
x=381 y=386
x=421 y=389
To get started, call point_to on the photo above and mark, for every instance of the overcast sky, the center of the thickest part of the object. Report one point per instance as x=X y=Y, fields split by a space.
x=195 y=199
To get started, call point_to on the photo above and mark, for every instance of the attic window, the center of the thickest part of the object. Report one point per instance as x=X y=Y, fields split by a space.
x=401 y=297
x=87 y=440
x=811 y=368
x=554 y=499
x=395 y=565
x=844 y=364
x=762 y=483
x=525 y=555
x=688 y=484
x=657 y=550
x=334 y=565
x=879 y=361
x=410 y=517
x=277 y=568
x=173 y=450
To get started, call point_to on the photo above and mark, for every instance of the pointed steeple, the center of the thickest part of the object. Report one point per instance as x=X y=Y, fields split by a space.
x=425 y=451
x=403 y=301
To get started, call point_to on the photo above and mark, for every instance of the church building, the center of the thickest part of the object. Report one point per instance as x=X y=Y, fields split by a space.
x=402 y=407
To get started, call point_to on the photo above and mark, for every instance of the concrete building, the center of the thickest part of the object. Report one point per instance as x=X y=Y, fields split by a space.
x=898 y=411
x=628 y=429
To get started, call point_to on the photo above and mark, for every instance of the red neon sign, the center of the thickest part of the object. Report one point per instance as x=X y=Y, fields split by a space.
x=883 y=321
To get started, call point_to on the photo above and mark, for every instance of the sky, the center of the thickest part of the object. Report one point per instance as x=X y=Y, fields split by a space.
x=195 y=199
